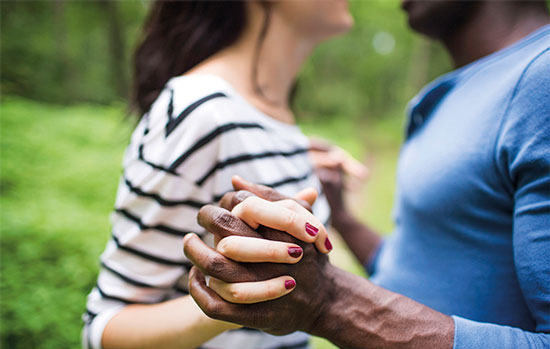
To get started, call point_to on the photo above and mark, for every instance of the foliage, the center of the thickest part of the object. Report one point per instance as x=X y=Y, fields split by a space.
x=61 y=51
x=59 y=175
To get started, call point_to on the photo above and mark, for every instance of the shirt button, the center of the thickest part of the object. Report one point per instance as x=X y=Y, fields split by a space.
x=418 y=118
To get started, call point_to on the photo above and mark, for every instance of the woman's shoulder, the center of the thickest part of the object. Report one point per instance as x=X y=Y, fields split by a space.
x=188 y=123
x=207 y=101
x=197 y=89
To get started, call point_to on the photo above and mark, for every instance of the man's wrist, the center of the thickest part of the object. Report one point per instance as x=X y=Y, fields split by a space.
x=362 y=314
x=326 y=321
x=335 y=316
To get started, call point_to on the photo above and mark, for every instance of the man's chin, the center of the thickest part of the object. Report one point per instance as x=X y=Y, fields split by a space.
x=406 y=5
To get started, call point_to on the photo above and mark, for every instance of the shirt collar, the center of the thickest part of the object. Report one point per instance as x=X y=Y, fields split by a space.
x=421 y=106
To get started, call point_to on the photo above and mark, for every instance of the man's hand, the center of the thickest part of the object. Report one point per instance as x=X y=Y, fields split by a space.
x=300 y=309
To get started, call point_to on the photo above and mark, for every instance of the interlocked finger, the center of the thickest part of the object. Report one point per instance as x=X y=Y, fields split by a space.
x=285 y=215
x=210 y=303
x=213 y=263
x=253 y=292
x=222 y=223
x=254 y=250
x=233 y=198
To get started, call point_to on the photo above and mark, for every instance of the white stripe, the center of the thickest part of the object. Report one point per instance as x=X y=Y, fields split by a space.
x=139 y=268
x=116 y=287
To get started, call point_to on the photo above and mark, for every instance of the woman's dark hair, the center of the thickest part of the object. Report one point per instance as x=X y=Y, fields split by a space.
x=177 y=36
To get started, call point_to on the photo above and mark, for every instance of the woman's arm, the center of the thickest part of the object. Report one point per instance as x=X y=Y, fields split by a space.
x=177 y=323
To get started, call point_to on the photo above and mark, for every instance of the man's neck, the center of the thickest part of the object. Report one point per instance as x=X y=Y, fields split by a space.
x=494 y=26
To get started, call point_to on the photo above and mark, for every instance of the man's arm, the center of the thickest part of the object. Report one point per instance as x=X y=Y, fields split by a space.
x=364 y=315
x=327 y=301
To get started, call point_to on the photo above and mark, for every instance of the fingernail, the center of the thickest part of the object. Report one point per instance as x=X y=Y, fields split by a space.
x=311 y=230
x=295 y=251
x=328 y=245
x=290 y=284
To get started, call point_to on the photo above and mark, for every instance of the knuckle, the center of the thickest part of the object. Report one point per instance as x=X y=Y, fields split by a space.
x=271 y=252
x=291 y=218
x=294 y=205
x=226 y=200
x=241 y=196
x=236 y=295
x=271 y=194
x=216 y=265
x=222 y=218
x=213 y=309
x=288 y=203
x=203 y=215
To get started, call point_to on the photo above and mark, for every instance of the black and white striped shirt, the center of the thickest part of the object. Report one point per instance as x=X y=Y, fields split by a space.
x=181 y=156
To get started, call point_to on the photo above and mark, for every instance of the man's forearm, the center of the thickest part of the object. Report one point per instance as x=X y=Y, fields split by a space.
x=362 y=241
x=364 y=315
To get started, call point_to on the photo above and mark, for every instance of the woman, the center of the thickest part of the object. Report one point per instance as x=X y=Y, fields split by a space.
x=213 y=81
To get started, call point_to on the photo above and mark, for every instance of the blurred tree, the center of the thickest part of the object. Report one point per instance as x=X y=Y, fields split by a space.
x=68 y=51
x=116 y=45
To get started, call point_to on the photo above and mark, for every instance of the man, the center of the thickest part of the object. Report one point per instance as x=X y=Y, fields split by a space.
x=468 y=265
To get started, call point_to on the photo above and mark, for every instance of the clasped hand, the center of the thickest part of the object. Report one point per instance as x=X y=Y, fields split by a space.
x=269 y=269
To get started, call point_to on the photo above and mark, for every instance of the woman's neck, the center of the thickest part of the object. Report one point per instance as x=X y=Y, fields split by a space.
x=281 y=56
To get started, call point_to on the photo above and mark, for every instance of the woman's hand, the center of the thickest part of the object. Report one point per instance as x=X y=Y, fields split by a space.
x=285 y=215
x=324 y=155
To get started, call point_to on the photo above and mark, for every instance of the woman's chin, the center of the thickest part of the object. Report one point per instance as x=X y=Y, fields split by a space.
x=339 y=29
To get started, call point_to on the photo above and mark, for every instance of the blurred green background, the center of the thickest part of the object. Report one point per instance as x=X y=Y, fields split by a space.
x=65 y=70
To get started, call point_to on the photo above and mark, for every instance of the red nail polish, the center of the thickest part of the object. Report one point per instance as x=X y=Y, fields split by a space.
x=295 y=251
x=290 y=284
x=328 y=245
x=311 y=230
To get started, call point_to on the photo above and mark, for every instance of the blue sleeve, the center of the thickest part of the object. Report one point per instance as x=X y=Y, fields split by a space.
x=479 y=335
x=371 y=263
x=523 y=159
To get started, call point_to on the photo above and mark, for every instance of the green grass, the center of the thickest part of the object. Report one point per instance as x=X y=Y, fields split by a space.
x=59 y=172
x=60 y=167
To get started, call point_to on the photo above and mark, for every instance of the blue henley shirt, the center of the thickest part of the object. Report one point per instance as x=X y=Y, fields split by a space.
x=472 y=212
